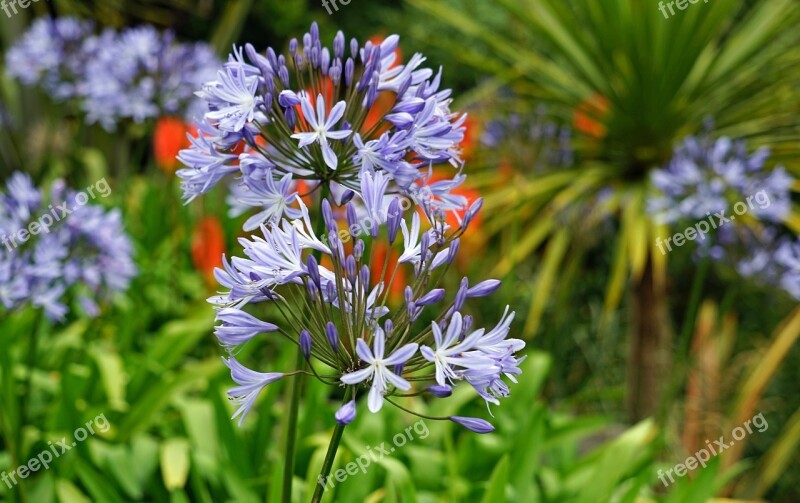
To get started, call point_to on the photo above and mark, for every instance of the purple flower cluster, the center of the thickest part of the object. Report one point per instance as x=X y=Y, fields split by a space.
x=707 y=175
x=767 y=258
x=50 y=55
x=88 y=252
x=426 y=343
x=325 y=116
x=135 y=74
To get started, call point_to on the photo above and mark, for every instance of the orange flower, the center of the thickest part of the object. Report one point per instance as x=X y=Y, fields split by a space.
x=396 y=290
x=169 y=139
x=208 y=245
x=590 y=114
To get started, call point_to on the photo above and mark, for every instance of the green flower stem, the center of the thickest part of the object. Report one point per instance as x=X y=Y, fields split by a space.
x=327 y=465
x=295 y=391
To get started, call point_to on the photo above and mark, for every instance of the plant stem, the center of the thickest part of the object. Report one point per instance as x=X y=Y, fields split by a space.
x=331 y=454
x=25 y=399
x=295 y=387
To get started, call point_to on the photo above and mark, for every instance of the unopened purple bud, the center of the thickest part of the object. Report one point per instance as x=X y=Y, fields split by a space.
x=398 y=369
x=472 y=212
x=425 y=243
x=365 y=274
x=452 y=251
x=335 y=73
x=348 y=194
x=354 y=47
x=394 y=219
x=325 y=60
x=408 y=294
x=466 y=323
x=461 y=295
x=283 y=73
x=350 y=268
x=312 y=290
x=272 y=57
x=440 y=391
x=314 y=32
x=349 y=71
x=372 y=93
x=358 y=249
x=338 y=44
x=313 y=269
x=288 y=99
x=483 y=288
x=431 y=297
x=332 y=335
x=306 y=41
x=327 y=215
x=293 y=46
x=352 y=219
x=305 y=343
x=330 y=289
x=388 y=327
x=315 y=57
x=411 y=308
x=299 y=62
x=402 y=120
x=404 y=87
x=346 y=413
x=473 y=424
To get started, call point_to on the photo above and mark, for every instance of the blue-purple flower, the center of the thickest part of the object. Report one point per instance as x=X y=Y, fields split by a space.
x=347 y=324
x=312 y=115
x=81 y=248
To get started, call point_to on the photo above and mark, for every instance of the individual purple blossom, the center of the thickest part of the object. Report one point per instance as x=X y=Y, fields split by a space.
x=238 y=327
x=250 y=383
x=473 y=424
x=377 y=370
x=322 y=127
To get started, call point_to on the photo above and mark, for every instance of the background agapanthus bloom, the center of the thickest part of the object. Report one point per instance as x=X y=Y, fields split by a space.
x=88 y=251
x=323 y=116
x=135 y=74
x=709 y=177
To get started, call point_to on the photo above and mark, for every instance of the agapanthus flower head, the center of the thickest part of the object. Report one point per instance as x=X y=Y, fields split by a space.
x=708 y=175
x=136 y=74
x=140 y=74
x=374 y=348
x=86 y=251
x=313 y=116
x=50 y=55
x=767 y=258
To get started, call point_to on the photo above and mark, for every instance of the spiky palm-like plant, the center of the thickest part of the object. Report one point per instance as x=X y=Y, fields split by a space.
x=652 y=80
